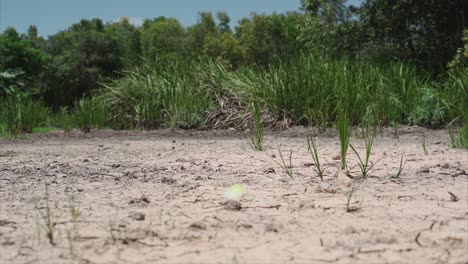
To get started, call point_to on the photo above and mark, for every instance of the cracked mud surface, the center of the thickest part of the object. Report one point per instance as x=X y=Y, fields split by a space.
x=158 y=197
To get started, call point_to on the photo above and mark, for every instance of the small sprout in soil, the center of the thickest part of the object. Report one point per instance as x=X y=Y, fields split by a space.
x=350 y=194
x=369 y=132
x=287 y=168
x=48 y=224
x=400 y=168
x=312 y=147
x=73 y=233
x=74 y=209
x=424 y=144
x=256 y=133
x=458 y=137
x=395 y=130
x=344 y=131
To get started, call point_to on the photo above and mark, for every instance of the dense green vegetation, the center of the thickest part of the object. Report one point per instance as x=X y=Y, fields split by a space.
x=404 y=61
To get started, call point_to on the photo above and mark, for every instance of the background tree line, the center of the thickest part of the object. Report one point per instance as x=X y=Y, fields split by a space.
x=70 y=64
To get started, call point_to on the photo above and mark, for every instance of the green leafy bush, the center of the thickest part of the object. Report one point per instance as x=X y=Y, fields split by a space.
x=64 y=119
x=88 y=113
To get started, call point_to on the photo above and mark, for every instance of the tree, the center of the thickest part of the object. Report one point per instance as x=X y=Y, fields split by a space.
x=198 y=33
x=460 y=60
x=224 y=20
x=129 y=39
x=134 y=48
x=162 y=38
x=82 y=56
x=20 y=62
x=33 y=39
x=328 y=27
x=427 y=33
x=218 y=42
x=225 y=48
x=268 y=37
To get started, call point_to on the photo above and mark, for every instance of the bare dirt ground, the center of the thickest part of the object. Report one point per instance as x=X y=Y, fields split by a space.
x=157 y=197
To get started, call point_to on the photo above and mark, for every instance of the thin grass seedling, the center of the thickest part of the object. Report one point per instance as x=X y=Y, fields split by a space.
x=112 y=228
x=72 y=234
x=381 y=129
x=424 y=144
x=256 y=135
x=317 y=119
x=89 y=113
x=71 y=246
x=395 y=130
x=350 y=195
x=458 y=137
x=369 y=132
x=65 y=120
x=74 y=210
x=344 y=131
x=400 y=168
x=287 y=168
x=313 y=149
x=48 y=224
x=454 y=138
x=463 y=135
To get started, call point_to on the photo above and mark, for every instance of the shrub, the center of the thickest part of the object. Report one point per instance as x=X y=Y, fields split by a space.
x=88 y=113
x=154 y=95
x=20 y=113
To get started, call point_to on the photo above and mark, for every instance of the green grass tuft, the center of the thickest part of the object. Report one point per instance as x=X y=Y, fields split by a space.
x=20 y=113
x=313 y=150
x=344 y=131
x=88 y=114
x=256 y=132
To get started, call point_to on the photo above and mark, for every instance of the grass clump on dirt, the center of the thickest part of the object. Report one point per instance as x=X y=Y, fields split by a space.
x=286 y=165
x=401 y=167
x=256 y=132
x=313 y=150
x=369 y=131
x=20 y=113
x=64 y=120
x=458 y=136
x=315 y=85
x=152 y=96
x=47 y=218
x=206 y=94
x=344 y=131
x=89 y=113
x=351 y=193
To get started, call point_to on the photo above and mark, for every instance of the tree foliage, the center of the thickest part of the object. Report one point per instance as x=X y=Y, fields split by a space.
x=268 y=37
x=82 y=56
x=427 y=33
x=20 y=63
x=161 y=38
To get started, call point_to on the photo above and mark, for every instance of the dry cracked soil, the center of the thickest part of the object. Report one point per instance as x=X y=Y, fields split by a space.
x=157 y=197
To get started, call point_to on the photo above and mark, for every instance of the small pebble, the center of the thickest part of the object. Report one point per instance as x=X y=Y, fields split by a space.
x=232 y=205
x=198 y=226
x=138 y=216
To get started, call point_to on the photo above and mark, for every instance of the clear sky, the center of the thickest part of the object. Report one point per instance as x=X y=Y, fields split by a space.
x=51 y=16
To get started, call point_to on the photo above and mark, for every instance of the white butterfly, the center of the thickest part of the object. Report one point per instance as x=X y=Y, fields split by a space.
x=235 y=192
